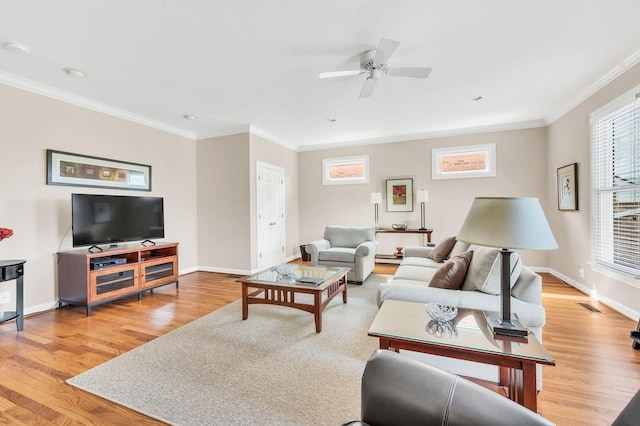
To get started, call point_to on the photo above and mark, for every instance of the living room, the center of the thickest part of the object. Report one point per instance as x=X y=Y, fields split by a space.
x=209 y=183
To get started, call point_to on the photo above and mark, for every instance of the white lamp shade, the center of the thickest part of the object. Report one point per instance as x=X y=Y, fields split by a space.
x=509 y=223
x=422 y=196
x=376 y=198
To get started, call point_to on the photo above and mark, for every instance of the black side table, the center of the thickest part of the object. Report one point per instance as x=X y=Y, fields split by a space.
x=14 y=270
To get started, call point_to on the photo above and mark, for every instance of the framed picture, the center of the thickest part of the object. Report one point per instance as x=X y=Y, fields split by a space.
x=65 y=168
x=568 y=187
x=399 y=195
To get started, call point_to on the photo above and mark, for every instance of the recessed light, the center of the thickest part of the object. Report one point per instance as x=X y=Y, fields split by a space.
x=475 y=98
x=15 y=47
x=331 y=120
x=74 y=72
x=190 y=117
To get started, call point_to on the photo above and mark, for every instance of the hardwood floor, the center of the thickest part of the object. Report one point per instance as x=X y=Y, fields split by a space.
x=597 y=371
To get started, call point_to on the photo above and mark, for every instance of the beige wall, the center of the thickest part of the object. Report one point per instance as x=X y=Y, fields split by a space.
x=40 y=214
x=224 y=217
x=227 y=200
x=521 y=164
x=569 y=142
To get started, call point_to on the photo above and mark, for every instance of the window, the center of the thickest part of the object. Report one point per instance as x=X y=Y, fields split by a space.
x=615 y=162
x=345 y=170
x=463 y=162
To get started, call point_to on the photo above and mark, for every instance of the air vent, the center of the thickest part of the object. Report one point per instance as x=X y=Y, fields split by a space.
x=589 y=307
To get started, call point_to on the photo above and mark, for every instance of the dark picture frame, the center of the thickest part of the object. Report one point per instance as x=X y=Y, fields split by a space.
x=568 y=187
x=68 y=169
x=400 y=195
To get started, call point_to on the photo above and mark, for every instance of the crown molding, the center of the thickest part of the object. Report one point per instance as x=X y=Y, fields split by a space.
x=228 y=131
x=614 y=73
x=271 y=138
x=429 y=135
x=70 y=98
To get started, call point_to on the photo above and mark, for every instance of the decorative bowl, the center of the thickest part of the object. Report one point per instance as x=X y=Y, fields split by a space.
x=440 y=312
x=399 y=226
x=287 y=270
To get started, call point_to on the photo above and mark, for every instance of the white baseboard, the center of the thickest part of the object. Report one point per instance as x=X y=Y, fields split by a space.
x=43 y=307
x=613 y=304
x=223 y=270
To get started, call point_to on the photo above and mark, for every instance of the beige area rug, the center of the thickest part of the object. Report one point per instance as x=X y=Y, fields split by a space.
x=272 y=369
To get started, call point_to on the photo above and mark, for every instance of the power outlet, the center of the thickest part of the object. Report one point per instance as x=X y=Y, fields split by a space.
x=5 y=297
x=581 y=271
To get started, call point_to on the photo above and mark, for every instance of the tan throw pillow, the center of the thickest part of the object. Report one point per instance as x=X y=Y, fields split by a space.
x=442 y=250
x=451 y=274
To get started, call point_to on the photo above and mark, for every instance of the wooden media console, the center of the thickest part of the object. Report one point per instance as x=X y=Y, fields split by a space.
x=89 y=279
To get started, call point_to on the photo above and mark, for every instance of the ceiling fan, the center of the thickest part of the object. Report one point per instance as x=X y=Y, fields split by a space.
x=375 y=63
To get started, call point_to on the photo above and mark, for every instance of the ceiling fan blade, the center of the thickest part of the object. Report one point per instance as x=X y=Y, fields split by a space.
x=413 y=72
x=333 y=74
x=367 y=88
x=385 y=50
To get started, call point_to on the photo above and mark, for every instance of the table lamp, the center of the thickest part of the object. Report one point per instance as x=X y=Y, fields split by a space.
x=507 y=223
x=376 y=198
x=422 y=197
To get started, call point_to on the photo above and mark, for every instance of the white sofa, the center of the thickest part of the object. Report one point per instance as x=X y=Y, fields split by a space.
x=480 y=290
x=346 y=247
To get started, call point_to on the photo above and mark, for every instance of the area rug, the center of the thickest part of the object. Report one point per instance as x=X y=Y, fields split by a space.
x=271 y=369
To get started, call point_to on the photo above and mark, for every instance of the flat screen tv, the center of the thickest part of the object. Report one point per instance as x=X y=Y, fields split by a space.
x=112 y=219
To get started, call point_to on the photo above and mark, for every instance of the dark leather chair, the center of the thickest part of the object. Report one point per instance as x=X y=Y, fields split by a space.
x=397 y=390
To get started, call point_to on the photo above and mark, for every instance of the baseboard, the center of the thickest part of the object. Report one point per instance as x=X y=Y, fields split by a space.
x=223 y=270
x=613 y=304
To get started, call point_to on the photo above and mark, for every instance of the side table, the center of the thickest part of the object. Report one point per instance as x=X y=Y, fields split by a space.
x=14 y=270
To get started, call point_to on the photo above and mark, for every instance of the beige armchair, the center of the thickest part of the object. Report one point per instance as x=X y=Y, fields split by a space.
x=346 y=247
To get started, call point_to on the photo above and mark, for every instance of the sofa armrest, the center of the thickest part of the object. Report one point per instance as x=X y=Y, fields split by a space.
x=367 y=248
x=417 y=251
x=395 y=387
x=315 y=246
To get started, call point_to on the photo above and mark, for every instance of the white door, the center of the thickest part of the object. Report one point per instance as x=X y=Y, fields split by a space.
x=270 y=207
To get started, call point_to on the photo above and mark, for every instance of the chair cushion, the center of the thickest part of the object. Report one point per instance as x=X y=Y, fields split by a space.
x=442 y=249
x=451 y=275
x=338 y=254
x=348 y=236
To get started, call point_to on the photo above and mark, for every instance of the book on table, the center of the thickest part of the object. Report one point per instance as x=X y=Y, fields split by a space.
x=310 y=281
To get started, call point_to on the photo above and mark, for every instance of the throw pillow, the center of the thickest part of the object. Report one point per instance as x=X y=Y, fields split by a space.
x=442 y=250
x=451 y=274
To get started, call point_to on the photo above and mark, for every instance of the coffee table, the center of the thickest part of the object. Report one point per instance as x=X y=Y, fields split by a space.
x=272 y=288
x=406 y=325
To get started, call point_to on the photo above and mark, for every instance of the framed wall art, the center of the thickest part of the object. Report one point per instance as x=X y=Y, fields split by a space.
x=65 y=168
x=568 y=187
x=400 y=195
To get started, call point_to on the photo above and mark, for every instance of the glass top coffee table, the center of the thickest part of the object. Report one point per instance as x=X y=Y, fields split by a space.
x=279 y=286
x=407 y=325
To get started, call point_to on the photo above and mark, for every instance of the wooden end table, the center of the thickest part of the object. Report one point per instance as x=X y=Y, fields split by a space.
x=271 y=288
x=406 y=325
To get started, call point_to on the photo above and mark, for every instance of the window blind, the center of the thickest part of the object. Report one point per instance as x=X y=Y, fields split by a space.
x=615 y=162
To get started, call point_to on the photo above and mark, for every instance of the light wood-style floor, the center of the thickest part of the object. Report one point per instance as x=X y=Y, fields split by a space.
x=597 y=371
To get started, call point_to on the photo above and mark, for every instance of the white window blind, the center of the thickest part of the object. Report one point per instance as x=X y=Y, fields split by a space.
x=615 y=157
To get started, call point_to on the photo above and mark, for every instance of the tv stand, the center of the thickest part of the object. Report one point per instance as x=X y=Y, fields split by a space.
x=149 y=243
x=146 y=268
x=95 y=247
